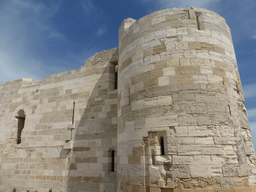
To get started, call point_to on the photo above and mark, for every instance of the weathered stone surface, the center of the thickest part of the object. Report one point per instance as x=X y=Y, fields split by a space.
x=175 y=123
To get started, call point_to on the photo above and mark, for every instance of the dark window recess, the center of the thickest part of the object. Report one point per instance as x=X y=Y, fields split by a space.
x=114 y=69
x=73 y=113
x=112 y=152
x=162 y=145
x=198 y=20
x=116 y=78
x=21 y=123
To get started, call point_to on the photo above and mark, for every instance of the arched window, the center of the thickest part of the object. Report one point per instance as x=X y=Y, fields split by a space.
x=21 y=122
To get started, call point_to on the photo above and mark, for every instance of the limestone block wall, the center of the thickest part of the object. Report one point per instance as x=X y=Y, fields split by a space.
x=182 y=124
x=175 y=123
x=49 y=156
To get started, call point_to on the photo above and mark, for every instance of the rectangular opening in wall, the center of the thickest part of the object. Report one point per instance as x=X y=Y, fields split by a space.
x=162 y=145
x=114 y=72
x=116 y=78
x=112 y=165
x=198 y=14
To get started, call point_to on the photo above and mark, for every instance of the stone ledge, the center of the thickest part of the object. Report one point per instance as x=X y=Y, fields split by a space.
x=238 y=189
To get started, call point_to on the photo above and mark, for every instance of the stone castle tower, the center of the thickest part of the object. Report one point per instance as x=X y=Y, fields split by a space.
x=174 y=121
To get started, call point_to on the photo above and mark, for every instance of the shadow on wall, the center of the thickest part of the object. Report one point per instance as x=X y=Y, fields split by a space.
x=91 y=151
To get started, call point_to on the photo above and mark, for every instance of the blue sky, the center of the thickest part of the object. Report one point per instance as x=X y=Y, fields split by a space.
x=43 y=37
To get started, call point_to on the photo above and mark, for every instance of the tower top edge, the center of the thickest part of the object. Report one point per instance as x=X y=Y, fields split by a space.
x=130 y=21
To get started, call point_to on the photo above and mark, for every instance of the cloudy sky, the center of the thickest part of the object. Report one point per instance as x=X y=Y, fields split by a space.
x=39 y=37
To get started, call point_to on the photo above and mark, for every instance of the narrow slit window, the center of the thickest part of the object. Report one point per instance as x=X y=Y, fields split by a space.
x=112 y=160
x=116 y=78
x=21 y=123
x=198 y=24
x=198 y=14
x=114 y=71
x=73 y=113
x=116 y=75
x=162 y=145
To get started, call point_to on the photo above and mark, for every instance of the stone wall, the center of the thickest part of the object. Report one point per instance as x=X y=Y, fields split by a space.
x=182 y=124
x=175 y=123
x=45 y=160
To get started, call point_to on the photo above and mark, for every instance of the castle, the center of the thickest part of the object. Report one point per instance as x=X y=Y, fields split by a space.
x=163 y=112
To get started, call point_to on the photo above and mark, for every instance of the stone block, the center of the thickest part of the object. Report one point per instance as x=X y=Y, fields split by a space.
x=216 y=80
x=200 y=79
x=229 y=170
x=182 y=159
x=181 y=131
x=198 y=131
x=243 y=170
x=167 y=120
x=187 y=70
x=163 y=81
x=227 y=182
x=200 y=170
x=212 y=151
x=206 y=70
x=204 y=141
x=170 y=71
x=225 y=140
x=203 y=120
x=189 y=150
x=180 y=171
x=171 y=32
x=159 y=49
x=241 y=182
x=194 y=45
x=158 y=20
x=151 y=122
x=187 y=140
x=182 y=31
x=186 y=119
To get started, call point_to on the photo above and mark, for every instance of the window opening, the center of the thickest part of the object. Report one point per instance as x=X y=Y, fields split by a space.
x=116 y=75
x=21 y=122
x=112 y=160
x=116 y=78
x=73 y=114
x=198 y=14
x=162 y=145
x=115 y=72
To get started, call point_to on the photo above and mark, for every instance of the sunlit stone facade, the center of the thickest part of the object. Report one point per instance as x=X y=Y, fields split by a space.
x=163 y=112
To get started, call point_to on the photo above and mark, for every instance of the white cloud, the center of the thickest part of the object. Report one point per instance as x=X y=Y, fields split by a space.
x=162 y=4
x=253 y=132
x=252 y=114
x=249 y=90
x=253 y=126
x=56 y=35
x=17 y=67
x=35 y=7
x=23 y=27
x=101 y=30
x=88 y=6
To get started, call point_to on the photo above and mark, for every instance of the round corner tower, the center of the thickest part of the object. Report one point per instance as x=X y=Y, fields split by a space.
x=182 y=124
